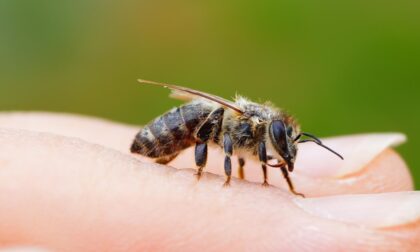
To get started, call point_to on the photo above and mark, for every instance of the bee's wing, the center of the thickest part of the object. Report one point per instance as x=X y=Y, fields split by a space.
x=184 y=93
x=183 y=96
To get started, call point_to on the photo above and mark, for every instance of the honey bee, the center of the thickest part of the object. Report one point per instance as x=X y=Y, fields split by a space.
x=242 y=127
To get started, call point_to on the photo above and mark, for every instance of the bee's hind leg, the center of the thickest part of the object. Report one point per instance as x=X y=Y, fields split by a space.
x=207 y=130
x=241 y=172
x=200 y=158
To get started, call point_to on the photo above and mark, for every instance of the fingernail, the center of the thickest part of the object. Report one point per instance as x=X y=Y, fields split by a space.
x=358 y=151
x=369 y=210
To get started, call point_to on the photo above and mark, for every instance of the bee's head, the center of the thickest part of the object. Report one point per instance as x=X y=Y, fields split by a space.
x=282 y=139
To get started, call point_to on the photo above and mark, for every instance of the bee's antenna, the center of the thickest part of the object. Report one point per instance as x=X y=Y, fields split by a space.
x=311 y=136
x=315 y=140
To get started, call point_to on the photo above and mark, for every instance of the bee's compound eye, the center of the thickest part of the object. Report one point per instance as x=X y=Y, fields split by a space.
x=278 y=132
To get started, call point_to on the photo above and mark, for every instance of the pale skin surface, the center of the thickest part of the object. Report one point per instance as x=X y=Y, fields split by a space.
x=76 y=187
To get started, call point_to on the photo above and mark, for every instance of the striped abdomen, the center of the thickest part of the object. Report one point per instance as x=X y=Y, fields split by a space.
x=171 y=132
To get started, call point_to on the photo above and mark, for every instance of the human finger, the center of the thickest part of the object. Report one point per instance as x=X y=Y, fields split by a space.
x=65 y=194
x=370 y=164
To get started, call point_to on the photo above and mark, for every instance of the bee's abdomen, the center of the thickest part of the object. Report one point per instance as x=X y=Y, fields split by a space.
x=171 y=132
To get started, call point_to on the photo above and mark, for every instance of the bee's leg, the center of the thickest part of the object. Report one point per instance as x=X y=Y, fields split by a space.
x=200 y=157
x=209 y=128
x=166 y=159
x=228 y=148
x=289 y=182
x=264 y=169
x=262 y=155
x=241 y=172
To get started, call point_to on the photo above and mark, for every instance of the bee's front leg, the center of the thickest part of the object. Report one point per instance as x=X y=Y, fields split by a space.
x=282 y=166
x=228 y=148
x=289 y=182
x=262 y=155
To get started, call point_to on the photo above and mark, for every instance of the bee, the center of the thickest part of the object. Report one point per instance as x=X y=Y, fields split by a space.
x=242 y=127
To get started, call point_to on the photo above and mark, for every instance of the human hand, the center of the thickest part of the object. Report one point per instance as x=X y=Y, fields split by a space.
x=76 y=187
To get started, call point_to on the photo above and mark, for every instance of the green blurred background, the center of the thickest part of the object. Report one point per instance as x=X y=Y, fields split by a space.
x=341 y=67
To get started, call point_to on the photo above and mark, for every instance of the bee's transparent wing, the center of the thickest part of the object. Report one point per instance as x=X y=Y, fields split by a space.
x=186 y=94
x=179 y=95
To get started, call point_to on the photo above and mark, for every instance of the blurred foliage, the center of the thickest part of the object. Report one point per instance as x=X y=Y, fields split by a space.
x=341 y=67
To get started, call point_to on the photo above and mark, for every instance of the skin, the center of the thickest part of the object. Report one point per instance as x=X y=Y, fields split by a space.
x=69 y=183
